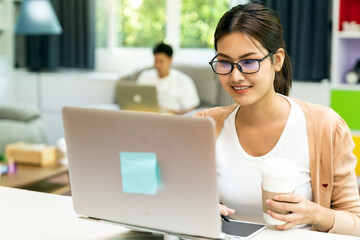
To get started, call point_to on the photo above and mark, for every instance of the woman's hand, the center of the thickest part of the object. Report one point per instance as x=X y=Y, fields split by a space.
x=224 y=210
x=302 y=211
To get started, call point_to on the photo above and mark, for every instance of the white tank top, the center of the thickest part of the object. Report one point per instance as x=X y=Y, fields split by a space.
x=239 y=176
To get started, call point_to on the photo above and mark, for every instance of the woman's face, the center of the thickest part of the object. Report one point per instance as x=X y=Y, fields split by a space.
x=247 y=89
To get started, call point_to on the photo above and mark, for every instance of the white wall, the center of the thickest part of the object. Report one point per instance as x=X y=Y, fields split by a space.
x=62 y=88
x=126 y=60
x=6 y=89
x=6 y=85
x=318 y=93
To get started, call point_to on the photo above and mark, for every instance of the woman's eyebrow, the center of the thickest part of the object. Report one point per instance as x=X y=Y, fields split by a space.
x=242 y=56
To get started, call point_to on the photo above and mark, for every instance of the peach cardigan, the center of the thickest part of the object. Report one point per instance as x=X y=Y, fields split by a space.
x=332 y=163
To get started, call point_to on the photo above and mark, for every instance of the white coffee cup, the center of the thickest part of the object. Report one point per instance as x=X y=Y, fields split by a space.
x=278 y=176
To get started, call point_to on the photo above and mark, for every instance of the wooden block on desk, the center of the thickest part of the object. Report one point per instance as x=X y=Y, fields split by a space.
x=29 y=153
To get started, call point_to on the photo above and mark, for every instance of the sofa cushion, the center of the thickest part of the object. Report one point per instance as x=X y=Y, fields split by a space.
x=22 y=113
x=205 y=81
x=15 y=131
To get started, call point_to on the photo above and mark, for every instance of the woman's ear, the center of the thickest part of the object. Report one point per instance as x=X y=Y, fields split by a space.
x=279 y=57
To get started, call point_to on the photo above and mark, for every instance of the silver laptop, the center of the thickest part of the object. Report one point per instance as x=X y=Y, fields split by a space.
x=175 y=154
x=131 y=96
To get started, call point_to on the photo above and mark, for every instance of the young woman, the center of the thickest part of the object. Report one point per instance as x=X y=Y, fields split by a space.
x=254 y=68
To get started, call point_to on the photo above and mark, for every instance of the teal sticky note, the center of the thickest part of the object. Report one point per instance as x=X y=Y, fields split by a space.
x=140 y=172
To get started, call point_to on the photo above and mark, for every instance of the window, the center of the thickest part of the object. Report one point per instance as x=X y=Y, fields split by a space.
x=102 y=10
x=143 y=23
x=199 y=20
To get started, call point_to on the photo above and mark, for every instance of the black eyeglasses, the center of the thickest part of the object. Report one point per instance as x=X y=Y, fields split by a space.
x=247 y=66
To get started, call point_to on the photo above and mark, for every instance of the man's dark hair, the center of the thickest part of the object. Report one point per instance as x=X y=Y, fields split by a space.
x=163 y=48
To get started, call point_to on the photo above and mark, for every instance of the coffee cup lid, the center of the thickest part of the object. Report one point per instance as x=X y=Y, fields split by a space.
x=280 y=167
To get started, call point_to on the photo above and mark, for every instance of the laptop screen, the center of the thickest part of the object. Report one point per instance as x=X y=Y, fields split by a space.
x=145 y=170
x=131 y=96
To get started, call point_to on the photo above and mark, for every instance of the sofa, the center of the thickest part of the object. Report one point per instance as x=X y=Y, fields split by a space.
x=210 y=91
x=20 y=123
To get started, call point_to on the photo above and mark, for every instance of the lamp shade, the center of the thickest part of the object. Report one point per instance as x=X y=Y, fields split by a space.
x=37 y=17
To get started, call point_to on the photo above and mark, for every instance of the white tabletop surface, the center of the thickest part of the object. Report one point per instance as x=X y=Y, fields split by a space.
x=33 y=215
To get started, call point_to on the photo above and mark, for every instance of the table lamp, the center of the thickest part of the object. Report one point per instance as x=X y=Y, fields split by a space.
x=37 y=17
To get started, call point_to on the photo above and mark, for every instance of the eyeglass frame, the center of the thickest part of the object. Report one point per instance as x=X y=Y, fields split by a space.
x=239 y=67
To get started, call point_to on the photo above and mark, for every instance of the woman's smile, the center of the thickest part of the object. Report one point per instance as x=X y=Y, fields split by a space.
x=241 y=89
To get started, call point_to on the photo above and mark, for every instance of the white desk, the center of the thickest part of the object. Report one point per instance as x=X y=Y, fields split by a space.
x=33 y=215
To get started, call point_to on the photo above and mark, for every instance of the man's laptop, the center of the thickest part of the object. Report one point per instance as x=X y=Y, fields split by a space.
x=105 y=147
x=131 y=96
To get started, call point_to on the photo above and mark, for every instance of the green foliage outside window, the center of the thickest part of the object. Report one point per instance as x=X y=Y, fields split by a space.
x=141 y=23
x=198 y=22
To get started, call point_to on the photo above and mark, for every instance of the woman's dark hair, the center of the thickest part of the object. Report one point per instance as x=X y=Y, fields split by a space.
x=263 y=24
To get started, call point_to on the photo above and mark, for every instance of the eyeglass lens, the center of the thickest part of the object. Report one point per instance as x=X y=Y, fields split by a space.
x=246 y=66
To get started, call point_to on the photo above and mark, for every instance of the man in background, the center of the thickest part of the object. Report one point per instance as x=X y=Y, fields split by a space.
x=176 y=91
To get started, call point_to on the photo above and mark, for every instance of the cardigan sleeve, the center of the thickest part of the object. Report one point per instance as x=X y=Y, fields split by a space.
x=345 y=200
x=218 y=114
